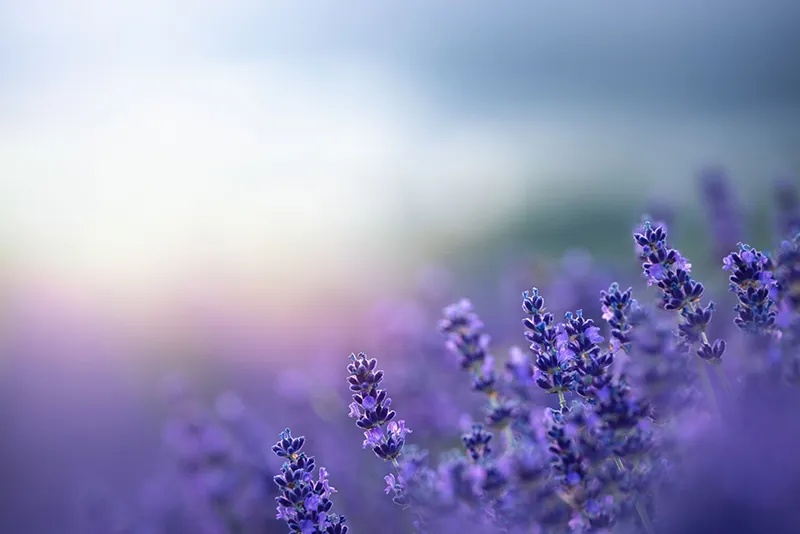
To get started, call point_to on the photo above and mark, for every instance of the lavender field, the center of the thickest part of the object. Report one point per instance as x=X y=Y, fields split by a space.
x=432 y=268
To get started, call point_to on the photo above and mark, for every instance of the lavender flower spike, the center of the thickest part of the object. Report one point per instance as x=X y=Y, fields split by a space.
x=669 y=271
x=304 y=504
x=620 y=310
x=787 y=273
x=665 y=268
x=752 y=281
x=554 y=371
x=462 y=326
x=371 y=409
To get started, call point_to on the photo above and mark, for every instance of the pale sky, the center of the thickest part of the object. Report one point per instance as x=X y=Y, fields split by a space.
x=143 y=139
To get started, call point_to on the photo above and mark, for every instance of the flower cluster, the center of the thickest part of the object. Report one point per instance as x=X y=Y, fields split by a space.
x=304 y=503
x=600 y=427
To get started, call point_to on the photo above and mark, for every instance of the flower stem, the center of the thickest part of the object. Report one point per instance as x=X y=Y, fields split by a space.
x=712 y=398
x=724 y=379
x=509 y=436
x=562 y=402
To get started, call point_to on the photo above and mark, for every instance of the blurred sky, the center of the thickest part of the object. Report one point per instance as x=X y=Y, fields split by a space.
x=147 y=141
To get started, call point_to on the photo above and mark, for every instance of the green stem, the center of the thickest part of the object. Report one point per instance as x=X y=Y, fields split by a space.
x=643 y=515
x=562 y=402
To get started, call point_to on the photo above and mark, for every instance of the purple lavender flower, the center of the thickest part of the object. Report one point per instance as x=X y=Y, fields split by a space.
x=622 y=418
x=787 y=273
x=751 y=279
x=464 y=338
x=621 y=311
x=577 y=339
x=477 y=442
x=371 y=409
x=670 y=272
x=304 y=503
x=724 y=216
x=554 y=370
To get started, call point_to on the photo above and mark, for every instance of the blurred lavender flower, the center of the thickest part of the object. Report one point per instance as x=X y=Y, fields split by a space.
x=724 y=215
x=464 y=338
x=628 y=450
x=787 y=273
x=787 y=204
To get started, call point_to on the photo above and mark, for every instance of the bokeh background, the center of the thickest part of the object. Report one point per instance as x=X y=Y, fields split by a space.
x=244 y=192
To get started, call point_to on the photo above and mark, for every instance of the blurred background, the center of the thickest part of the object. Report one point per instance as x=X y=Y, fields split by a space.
x=244 y=192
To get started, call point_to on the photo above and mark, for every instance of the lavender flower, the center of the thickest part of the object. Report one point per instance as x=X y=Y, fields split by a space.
x=371 y=409
x=304 y=504
x=554 y=370
x=620 y=310
x=477 y=442
x=724 y=215
x=670 y=272
x=751 y=279
x=464 y=338
x=787 y=273
x=577 y=339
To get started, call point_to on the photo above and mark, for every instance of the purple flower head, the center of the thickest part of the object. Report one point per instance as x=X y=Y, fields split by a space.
x=303 y=504
x=391 y=483
x=371 y=405
x=519 y=371
x=484 y=379
x=666 y=268
x=751 y=279
x=460 y=319
x=578 y=340
x=477 y=442
x=619 y=412
x=679 y=291
x=553 y=370
x=621 y=311
x=724 y=215
x=464 y=337
x=382 y=434
x=787 y=273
